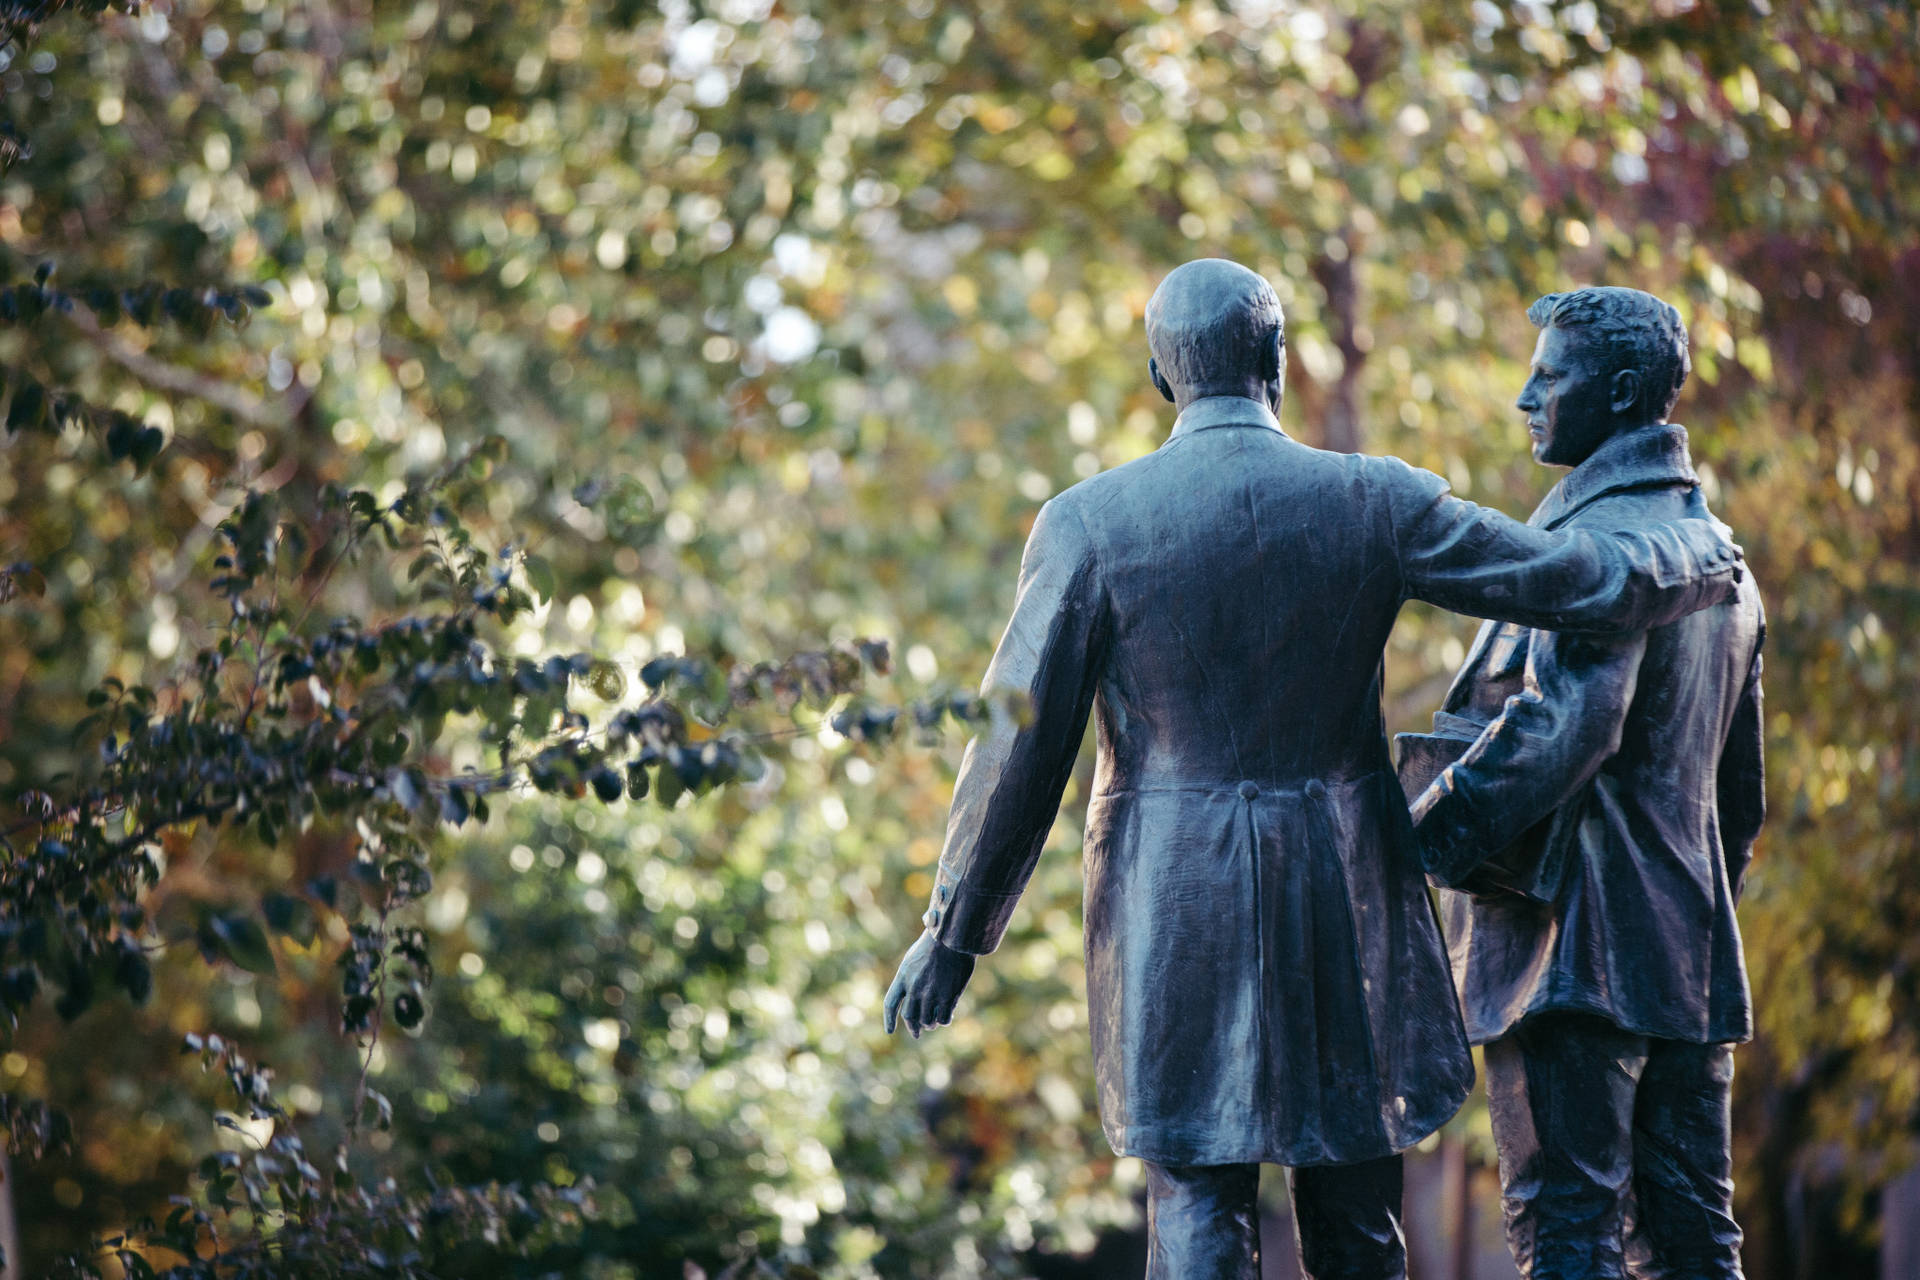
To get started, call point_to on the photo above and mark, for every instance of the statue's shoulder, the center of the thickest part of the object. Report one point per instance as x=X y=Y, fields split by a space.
x=1401 y=476
x=1089 y=497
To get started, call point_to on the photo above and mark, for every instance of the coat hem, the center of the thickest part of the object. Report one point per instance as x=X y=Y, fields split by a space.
x=1387 y=1144
x=1480 y=1036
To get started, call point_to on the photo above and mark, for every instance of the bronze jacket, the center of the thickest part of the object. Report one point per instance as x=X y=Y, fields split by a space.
x=1264 y=970
x=1640 y=756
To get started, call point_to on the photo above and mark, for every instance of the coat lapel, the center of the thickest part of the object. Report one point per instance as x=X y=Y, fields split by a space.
x=1655 y=455
x=1470 y=669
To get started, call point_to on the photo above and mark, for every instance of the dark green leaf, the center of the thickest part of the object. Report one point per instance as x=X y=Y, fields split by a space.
x=147 y=443
x=291 y=916
x=28 y=409
x=241 y=940
x=540 y=578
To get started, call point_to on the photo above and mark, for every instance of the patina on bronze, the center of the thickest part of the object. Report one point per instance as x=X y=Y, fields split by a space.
x=1264 y=969
x=1615 y=781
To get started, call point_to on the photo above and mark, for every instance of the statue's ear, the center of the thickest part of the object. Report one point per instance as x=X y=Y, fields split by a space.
x=1159 y=382
x=1274 y=358
x=1625 y=390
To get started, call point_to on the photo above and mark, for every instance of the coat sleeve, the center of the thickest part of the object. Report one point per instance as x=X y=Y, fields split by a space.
x=1547 y=742
x=1476 y=561
x=1048 y=666
x=1741 y=779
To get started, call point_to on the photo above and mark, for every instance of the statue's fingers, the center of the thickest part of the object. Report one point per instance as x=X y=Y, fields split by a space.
x=915 y=1014
x=906 y=1008
x=890 y=1012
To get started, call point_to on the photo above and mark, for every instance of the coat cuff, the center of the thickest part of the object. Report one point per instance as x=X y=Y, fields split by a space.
x=1444 y=835
x=965 y=919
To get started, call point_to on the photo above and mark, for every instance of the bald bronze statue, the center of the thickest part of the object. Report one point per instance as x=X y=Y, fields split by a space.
x=1264 y=970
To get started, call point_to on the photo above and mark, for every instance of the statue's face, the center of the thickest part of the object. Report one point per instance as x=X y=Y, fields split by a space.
x=1566 y=399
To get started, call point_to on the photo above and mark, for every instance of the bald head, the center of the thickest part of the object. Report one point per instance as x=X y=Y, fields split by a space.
x=1215 y=328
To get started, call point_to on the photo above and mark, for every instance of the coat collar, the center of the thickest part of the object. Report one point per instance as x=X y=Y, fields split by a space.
x=1223 y=411
x=1654 y=455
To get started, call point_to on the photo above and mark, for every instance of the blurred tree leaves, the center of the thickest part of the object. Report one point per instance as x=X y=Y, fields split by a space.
x=678 y=347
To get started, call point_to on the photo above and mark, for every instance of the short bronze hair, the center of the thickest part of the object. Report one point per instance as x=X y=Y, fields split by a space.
x=1210 y=320
x=1634 y=330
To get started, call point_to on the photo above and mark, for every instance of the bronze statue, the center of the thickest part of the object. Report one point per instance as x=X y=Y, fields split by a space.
x=1265 y=972
x=1600 y=819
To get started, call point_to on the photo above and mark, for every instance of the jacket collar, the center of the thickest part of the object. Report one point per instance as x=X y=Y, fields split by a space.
x=1223 y=411
x=1645 y=456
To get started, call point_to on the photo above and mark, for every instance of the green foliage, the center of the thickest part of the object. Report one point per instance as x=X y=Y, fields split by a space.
x=473 y=643
x=323 y=1225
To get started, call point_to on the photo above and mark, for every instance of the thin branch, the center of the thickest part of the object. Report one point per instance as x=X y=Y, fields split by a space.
x=217 y=510
x=239 y=402
x=372 y=1042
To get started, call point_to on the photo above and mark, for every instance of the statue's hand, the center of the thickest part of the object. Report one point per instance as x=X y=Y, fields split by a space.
x=928 y=985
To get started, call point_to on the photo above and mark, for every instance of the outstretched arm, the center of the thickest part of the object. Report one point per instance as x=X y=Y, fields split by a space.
x=1010 y=781
x=1477 y=561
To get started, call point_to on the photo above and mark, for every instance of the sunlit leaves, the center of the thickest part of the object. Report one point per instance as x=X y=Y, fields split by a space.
x=625 y=364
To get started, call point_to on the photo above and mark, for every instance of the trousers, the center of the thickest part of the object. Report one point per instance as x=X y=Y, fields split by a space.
x=1614 y=1152
x=1203 y=1223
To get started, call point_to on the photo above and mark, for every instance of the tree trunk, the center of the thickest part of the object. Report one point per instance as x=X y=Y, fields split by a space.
x=1340 y=422
x=9 y=1221
x=1457 y=1204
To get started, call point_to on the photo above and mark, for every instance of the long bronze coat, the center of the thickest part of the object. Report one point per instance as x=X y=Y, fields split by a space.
x=1636 y=761
x=1265 y=975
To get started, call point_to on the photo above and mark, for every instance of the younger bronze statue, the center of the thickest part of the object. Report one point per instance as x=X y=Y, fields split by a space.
x=1602 y=819
x=1265 y=973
